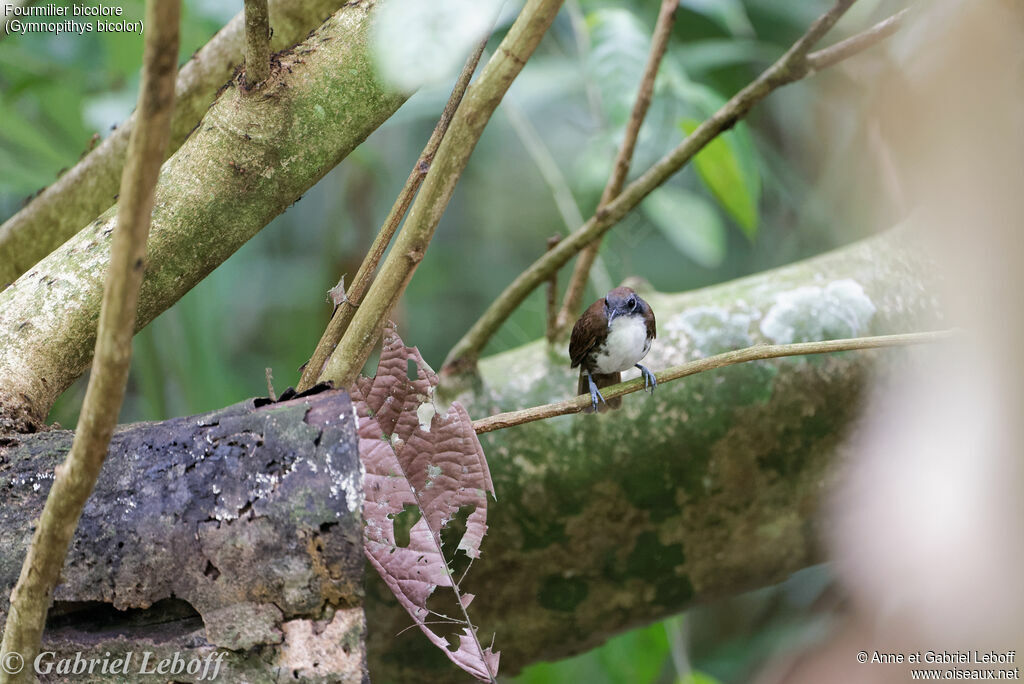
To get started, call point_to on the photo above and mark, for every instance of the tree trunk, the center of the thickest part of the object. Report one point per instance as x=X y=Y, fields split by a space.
x=236 y=531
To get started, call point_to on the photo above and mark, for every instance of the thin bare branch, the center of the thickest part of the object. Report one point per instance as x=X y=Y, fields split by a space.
x=342 y=316
x=552 y=307
x=468 y=124
x=75 y=479
x=581 y=273
x=257 y=42
x=756 y=353
x=791 y=67
x=826 y=57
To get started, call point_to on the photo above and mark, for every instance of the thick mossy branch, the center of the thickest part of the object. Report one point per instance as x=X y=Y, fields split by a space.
x=249 y=159
x=87 y=189
x=707 y=488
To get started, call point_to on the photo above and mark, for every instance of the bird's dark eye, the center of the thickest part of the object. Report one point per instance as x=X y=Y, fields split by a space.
x=631 y=303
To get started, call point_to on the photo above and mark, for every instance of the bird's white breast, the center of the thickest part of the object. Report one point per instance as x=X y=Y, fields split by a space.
x=625 y=345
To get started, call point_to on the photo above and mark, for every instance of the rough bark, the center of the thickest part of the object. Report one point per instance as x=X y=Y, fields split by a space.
x=708 y=488
x=238 y=530
x=249 y=159
x=89 y=187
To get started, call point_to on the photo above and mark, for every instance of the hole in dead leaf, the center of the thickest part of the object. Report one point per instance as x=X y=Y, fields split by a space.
x=404 y=521
x=451 y=535
x=411 y=370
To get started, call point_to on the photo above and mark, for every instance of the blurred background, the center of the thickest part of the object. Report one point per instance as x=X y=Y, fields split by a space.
x=782 y=186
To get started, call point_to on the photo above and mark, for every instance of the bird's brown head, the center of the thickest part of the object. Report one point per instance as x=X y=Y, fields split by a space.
x=623 y=301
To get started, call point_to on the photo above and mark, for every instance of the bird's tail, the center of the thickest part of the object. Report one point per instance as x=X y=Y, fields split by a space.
x=601 y=381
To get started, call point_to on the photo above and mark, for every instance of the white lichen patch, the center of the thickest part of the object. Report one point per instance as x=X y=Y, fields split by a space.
x=712 y=330
x=808 y=314
x=347 y=483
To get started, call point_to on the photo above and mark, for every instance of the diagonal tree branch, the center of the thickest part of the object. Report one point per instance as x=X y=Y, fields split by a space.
x=481 y=100
x=767 y=351
x=75 y=479
x=581 y=273
x=791 y=67
x=342 y=316
x=250 y=159
x=87 y=189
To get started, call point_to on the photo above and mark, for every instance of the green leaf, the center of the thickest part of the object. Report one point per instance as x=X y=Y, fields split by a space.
x=689 y=222
x=727 y=168
x=698 y=678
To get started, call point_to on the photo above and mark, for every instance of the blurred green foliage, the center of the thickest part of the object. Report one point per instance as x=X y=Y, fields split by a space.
x=775 y=189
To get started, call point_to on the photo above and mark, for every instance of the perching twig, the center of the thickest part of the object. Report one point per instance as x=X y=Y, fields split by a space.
x=791 y=67
x=342 y=316
x=770 y=351
x=257 y=42
x=74 y=480
x=472 y=116
x=581 y=273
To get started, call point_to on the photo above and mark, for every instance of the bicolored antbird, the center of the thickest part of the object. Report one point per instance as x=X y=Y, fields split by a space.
x=611 y=336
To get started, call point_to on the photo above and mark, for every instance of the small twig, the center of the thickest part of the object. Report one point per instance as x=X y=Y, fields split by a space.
x=270 y=385
x=552 y=294
x=791 y=67
x=343 y=314
x=75 y=478
x=452 y=156
x=760 y=352
x=257 y=42
x=581 y=273
x=826 y=57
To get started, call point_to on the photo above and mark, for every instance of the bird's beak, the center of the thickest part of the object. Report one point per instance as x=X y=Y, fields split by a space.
x=611 y=315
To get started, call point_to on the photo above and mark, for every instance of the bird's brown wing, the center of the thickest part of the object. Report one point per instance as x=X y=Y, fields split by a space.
x=652 y=327
x=590 y=325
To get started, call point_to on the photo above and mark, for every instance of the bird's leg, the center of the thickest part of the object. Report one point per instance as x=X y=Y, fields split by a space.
x=595 y=393
x=649 y=379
